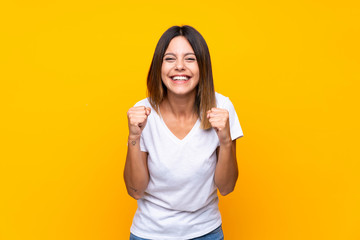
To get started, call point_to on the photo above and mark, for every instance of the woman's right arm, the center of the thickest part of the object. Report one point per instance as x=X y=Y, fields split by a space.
x=136 y=173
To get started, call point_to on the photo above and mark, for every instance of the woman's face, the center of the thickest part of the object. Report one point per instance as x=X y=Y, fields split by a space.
x=180 y=70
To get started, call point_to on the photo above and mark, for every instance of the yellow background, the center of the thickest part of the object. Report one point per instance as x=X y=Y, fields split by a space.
x=70 y=70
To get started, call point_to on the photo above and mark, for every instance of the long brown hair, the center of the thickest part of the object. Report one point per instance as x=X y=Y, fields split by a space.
x=205 y=93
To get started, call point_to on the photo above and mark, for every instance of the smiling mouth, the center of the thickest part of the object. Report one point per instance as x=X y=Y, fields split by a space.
x=180 y=78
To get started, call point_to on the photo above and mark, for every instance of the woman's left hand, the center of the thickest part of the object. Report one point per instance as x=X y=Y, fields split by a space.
x=219 y=120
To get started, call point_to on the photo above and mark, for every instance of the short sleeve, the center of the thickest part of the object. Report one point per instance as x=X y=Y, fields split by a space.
x=142 y=144
x=235 y=128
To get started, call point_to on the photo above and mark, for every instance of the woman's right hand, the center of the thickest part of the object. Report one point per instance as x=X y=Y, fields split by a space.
x=136 y=172
x=137 y=117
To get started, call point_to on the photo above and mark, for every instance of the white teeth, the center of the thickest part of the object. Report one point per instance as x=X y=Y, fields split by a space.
x=180 y=78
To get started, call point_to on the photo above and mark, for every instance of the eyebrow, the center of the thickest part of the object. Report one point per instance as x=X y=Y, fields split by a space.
x=189 y=53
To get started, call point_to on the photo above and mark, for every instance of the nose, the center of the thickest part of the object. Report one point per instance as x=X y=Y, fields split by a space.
x=179 y=65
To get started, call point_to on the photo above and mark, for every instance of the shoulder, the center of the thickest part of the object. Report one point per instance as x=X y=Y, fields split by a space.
x=144 y=102
x=222 y=101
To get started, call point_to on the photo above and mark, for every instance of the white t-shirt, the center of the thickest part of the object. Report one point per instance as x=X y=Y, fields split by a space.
x=180 y=201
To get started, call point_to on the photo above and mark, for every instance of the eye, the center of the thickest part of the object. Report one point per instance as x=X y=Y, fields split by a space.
x=190 y=59
x=169 y=59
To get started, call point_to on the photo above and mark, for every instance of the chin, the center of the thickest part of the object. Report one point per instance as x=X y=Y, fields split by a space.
x=181 y=92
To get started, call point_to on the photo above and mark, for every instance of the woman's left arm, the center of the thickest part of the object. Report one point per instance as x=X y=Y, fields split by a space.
x=226 y=171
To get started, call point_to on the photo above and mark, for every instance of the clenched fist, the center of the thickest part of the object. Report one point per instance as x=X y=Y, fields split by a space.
x=219 y=120
x=137 y=117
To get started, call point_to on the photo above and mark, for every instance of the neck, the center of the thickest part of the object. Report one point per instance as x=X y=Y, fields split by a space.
x=180 y=106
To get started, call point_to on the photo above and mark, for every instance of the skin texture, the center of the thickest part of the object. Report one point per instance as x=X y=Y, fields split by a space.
x=136 y=173
x=226 y=172
x=177 y=111
x=179 y=59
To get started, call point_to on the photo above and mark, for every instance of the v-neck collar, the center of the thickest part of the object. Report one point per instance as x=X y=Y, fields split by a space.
x=172 y=135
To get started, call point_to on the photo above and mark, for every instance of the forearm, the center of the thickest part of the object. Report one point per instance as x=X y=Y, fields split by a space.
x=136 y=174
x=226 y=172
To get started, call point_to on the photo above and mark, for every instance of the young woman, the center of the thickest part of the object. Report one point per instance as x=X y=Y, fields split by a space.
x=182 y=144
